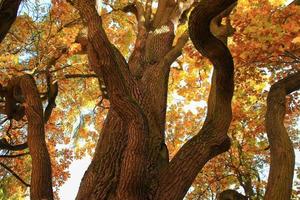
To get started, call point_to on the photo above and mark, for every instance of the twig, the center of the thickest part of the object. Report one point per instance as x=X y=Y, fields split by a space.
x=14 y=156
x=14 y=174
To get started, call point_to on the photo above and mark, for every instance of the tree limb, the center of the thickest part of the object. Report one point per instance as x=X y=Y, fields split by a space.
x=135 y=62
x=14 y=174
x=41 y=174
x=14 y=156
x=164 y=10
x=222 y=32
x=212 y=138
x=107 y=61
x=80 y=76
x=176 y=51
x=148 y=13
x=281 y=148
x=6 y=146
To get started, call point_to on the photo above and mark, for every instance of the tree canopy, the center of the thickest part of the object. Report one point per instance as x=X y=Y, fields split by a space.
x=170 y=98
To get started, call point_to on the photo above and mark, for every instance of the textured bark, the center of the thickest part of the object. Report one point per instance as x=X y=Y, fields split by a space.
x=8 y=14
x=282 y=153
x=131 y=156
x=121 y=89
x=41 y=177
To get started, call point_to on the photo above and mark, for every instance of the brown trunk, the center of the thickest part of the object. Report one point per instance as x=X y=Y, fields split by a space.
x=282 y=153
x=41 y=178
x=131 y=158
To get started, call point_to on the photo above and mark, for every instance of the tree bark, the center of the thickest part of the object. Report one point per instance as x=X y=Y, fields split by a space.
x=282 y=153
x=212 y=138
x=131 y=157
x=41 y=176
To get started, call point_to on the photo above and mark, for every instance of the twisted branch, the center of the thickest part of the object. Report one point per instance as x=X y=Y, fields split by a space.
x=212 y=139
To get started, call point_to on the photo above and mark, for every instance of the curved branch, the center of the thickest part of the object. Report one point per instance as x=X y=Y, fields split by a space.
x=222 y=32
x=14 y=174
x=282 y=153
x=212 y=138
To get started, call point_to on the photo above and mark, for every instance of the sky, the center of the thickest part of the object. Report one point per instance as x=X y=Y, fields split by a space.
x=69 y=190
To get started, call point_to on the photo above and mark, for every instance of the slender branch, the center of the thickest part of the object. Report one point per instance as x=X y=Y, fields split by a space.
x=148 y=13
x=80 y=76
x=14 y=174
x=69 y=24
x=14 y=156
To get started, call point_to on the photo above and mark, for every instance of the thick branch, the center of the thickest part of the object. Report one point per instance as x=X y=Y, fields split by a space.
x=107 y=61
x=6 y=146
x=41 y=176
x=212 y=139
x=176 y=51
x=135 y=62
x=164 y=10
x=8 y=14
x=222 y=32
x=282 y=153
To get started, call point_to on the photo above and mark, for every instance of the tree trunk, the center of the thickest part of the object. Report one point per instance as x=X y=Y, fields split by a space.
x=282 y=165
x=41 y=177
x=131 y=158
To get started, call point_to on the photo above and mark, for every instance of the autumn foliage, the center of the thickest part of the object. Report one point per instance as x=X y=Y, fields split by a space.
x=49 y=41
